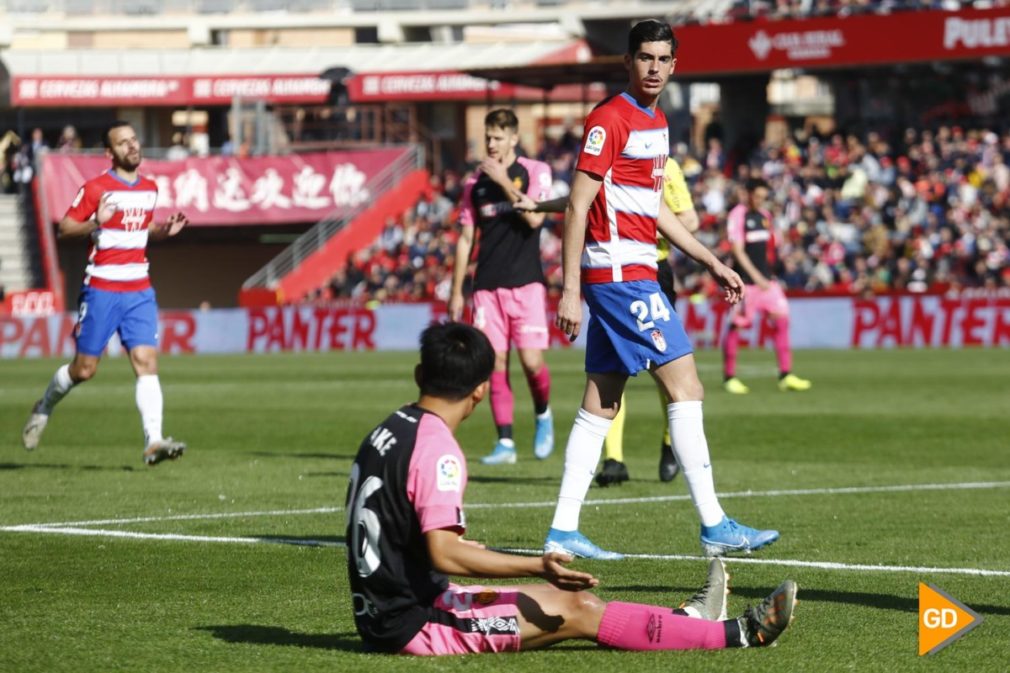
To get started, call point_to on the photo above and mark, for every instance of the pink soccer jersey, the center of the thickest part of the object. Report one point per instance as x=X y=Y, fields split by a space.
x=627 y=146
x=117 y=254
x=436 y=477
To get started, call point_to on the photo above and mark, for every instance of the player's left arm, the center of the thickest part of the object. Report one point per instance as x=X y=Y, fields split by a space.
x=674 y=230
x=159 y=231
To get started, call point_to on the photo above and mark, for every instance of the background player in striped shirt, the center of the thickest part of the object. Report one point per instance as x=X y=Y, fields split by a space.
x=752 y=236
x=405 y=526
x=509 y=293
x=609 y=256
x=116 y=211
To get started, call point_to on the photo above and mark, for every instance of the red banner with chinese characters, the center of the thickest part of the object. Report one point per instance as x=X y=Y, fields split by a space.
x=231 y=191
x=105 y=91
x=870 y=39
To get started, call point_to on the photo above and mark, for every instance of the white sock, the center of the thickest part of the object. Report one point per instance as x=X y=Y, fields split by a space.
x=546 y=415
x=149 y=402
x=687 y=434
x=58 y=387
x=582 y=453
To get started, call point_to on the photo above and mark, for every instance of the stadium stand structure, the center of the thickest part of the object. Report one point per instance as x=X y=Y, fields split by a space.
x=310 y=260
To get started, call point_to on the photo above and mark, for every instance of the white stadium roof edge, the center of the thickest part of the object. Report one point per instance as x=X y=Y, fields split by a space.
x=367 y=58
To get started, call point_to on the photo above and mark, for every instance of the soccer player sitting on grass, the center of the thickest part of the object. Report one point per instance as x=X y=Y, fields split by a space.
x=405 y=528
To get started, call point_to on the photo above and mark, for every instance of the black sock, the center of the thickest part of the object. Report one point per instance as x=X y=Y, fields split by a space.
x=505 y=431
x=733 y=636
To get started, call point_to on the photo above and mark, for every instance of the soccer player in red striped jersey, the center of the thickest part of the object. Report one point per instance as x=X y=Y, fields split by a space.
x=609 y=258
x=116 y=211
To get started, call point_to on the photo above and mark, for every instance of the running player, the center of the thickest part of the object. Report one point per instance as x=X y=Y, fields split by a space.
x=609 y=250
x=750 y=232
x=405 y=527
x=510 y=294
x=116 y=210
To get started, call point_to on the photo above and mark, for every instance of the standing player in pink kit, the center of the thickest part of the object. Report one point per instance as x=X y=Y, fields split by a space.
x=405 y=527
x=750 y=232
x=116 y=210
x=609 y=256
x=510 y=295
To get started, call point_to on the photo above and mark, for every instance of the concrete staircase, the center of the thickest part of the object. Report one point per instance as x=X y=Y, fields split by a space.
x=20 y=266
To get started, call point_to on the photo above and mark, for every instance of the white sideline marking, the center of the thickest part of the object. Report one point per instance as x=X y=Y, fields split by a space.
x=821 y=565
x=846 y=490
x=99 y=532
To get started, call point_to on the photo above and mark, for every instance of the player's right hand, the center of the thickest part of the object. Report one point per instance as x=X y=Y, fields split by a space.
x=569 y=318
x=525 y=204
x=106 y=209
x=456 y=307
x=557 y=574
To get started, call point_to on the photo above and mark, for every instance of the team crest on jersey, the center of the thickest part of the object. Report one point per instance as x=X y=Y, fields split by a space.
x=449 y=474
x=659 y=340
x=486 y=597
x=595 y=140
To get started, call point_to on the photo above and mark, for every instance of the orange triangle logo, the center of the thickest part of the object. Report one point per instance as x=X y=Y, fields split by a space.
x=942 y=619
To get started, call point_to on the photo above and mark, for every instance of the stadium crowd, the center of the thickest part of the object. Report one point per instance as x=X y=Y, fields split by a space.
x=852 y=215
x=705 y=11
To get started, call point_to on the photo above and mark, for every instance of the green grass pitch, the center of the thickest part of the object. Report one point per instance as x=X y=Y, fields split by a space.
x=274 y=436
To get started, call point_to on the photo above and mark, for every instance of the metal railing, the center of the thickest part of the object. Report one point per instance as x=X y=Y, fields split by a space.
x=316 y=237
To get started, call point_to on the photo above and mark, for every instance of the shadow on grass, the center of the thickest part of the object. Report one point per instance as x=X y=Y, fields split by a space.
x=482 y=479
x=284 y=454
x=879 y=601
x=253 y=634
x=65 y=466
x=305 y=540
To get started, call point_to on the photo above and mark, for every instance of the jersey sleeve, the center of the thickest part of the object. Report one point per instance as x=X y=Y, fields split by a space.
x=539 y=188
x=735 y=225
x=675 y=191
x=467 y=216
x=85 y=203
x=436 y=478
x=601 y=143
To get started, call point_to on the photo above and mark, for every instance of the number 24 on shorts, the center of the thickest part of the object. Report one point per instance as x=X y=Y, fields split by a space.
x=648 y=314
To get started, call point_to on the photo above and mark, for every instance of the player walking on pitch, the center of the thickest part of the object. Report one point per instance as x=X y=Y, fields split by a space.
x=116 y=210
x=609 y=253
x=405 y=527
x=749 y=229
x=510 y=296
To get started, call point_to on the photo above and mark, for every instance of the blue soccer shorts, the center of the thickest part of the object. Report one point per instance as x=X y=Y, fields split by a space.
x=134 y=315
x=632 y=326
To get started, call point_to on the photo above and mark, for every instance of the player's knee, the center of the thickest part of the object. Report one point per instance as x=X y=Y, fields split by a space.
x=83 y=371
x=687 y=390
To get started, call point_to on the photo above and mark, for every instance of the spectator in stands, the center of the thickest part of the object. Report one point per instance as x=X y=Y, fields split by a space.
x=178 y=150
x=69 y=142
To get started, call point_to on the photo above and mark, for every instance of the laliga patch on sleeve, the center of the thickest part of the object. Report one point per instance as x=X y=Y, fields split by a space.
x=594 y=141
x=449 y=474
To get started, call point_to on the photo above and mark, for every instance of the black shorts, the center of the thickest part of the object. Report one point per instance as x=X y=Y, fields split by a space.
x=664 y=276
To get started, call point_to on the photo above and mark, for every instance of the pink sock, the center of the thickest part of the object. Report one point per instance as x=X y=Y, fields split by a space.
x=501 y=398
x=782 y=350
x=540 y=389
x=633 y=626
x=730 y=346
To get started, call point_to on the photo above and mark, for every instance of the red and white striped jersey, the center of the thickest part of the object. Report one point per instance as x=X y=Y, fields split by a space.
x=117 y=255
x=626 y=145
